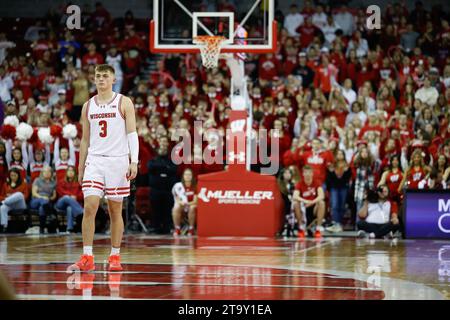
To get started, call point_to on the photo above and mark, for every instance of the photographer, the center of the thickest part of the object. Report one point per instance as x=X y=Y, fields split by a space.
x=379 y=214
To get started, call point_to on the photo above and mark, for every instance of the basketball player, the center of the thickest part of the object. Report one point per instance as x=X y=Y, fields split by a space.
x=309 y=193
x=109 y=137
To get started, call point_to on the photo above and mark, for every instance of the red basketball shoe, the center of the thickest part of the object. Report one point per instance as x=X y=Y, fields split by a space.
x=86 y=263
x=114 y=263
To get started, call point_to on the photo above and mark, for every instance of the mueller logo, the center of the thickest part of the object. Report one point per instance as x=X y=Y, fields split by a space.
x=444 y=208
x=235 y=196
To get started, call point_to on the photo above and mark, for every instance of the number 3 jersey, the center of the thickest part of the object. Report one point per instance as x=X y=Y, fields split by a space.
x=108 y=133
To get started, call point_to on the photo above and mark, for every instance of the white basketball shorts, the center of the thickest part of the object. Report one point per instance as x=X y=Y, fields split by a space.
x=106 y=176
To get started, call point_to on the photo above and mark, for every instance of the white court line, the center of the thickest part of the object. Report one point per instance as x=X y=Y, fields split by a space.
x=192 y=273
x=246 y=285
x=56 y=243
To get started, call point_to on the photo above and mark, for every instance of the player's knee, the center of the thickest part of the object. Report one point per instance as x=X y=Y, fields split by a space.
x=90 y=209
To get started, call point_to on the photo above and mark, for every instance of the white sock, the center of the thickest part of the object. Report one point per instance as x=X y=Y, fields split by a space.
x=115 y=251
x=191 y=228
x=87 y=250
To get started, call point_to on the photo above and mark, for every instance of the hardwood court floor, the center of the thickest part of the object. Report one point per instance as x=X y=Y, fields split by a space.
x=160 y=267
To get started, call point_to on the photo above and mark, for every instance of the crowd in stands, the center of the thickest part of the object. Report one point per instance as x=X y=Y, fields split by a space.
x=355 y=108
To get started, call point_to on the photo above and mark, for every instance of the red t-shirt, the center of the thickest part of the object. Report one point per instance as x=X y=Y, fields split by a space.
x=414 y=177
x=308 y=192
x=393 y=182
x=95 y=59
x=319 y=162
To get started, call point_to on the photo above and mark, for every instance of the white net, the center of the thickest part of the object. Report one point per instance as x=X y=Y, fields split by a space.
x=210 y=47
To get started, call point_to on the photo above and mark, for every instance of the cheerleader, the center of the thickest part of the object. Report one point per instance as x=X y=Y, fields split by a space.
x=17 y=158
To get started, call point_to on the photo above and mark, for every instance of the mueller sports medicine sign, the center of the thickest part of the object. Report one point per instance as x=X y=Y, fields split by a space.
x=427 y=214
x=238 y=202
x=235 y=196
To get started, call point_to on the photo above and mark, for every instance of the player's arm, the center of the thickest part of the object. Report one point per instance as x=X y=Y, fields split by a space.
x=84 y=144
x=133 y=141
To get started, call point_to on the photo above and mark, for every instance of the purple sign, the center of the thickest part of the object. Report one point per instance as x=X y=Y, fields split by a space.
x=427 y=214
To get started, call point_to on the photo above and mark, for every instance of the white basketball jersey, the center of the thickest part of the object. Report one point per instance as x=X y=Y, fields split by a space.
x=107 y=128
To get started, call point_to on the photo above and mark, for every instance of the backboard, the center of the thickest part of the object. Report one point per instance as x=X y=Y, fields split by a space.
x=247 y=25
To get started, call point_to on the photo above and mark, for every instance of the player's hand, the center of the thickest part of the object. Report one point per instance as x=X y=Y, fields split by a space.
x=132 y=171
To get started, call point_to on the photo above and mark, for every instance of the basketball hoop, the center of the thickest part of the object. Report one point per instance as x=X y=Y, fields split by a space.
x=210 y=47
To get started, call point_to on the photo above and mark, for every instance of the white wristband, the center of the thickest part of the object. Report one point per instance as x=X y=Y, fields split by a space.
x=133 y=145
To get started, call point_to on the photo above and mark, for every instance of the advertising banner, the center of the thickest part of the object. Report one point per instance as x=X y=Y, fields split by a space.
x=427 y=214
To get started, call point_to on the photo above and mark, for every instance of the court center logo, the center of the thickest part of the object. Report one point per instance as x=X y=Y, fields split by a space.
x=444 y=211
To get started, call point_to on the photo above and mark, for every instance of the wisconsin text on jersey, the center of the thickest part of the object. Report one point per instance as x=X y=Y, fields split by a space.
x=102 y=115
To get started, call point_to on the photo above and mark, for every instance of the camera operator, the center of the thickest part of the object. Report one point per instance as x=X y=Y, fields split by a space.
x=379 y=214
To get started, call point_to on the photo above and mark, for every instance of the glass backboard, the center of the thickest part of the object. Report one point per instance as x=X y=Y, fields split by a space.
x=248 y=25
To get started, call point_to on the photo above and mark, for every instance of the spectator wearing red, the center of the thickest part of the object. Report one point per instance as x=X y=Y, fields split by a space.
x=38 y=160
x=14 y=193
x=92 y=57
x=291 y=156
x=17 y=158
x=326 y=75
x=63 y=158
x=392 y=178
x=69 y=197
x=318 y=159
x=364 y=72
x=3 y=162
x=308 y=31
x=416 y=172
x=309 y=203
x=100 y=18
x=268 y=68
x=133 y=40
x=26 y=83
